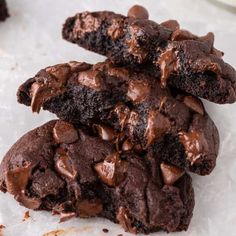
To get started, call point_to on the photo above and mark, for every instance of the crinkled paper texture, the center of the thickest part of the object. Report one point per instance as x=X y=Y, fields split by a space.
x=31 y=40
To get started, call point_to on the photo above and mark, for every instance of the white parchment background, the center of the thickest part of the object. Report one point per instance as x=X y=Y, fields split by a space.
x=31 y=40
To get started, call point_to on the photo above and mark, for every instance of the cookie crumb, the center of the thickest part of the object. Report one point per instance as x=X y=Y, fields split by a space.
x=26 y=216
x=120 y=235
x=105 y=230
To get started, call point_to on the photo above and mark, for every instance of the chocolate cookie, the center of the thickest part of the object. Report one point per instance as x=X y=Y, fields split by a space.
x=186 y=61
x=3 y=10
x=130 y=108
x=71 y=172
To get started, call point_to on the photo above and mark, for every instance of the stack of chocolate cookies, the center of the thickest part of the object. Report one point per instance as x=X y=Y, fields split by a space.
x=129 y=128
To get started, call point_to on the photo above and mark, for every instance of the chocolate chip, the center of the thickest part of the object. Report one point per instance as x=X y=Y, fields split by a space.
x=138 y=90
x=168 y=64
x=194 y=103
x=122 y=112
x=179 y=35
x=63 y=164
x=209 y=39
x=40 y=94
x=112 y=170
x=157 y=126
x=61 y=73
x=90 y=208
x=91 y=79
x=170 y=173
x=195 y=144
x=125 y=220
x=105 y=132
x=171 y=24
x=138 y=12
x=64 y=132
x=127 y=145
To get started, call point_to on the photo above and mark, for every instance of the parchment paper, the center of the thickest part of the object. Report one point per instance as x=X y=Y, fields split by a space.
x=31 y=40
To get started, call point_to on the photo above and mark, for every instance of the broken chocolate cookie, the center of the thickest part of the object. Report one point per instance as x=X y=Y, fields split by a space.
x=85 y=176
x=186 y=61
x=130 y=108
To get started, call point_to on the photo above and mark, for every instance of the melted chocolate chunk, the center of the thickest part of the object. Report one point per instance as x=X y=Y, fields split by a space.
x=16 y=182
x=138 y=90
x=157 y=126
x=91 y=79
x=168 y=64
x=195 y=145
x=194 y=104
x=112 y=170
x=63 y=164
x=64 y=132
x=105 y=132
x=170 y=173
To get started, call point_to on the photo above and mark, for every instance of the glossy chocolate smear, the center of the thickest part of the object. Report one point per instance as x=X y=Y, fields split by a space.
x=64 y=132
x=50 y=84
x=138 y=12
x=125 y=220
x=194 y=104
x=90 y=208
x=16 y=182
x=195 y=144
x=170 y=173
x=91 y=79
x=157 y=126
x=168 y=64
x=105 y=132
x=112 y=170
x=138 y=90
x=63 y=164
